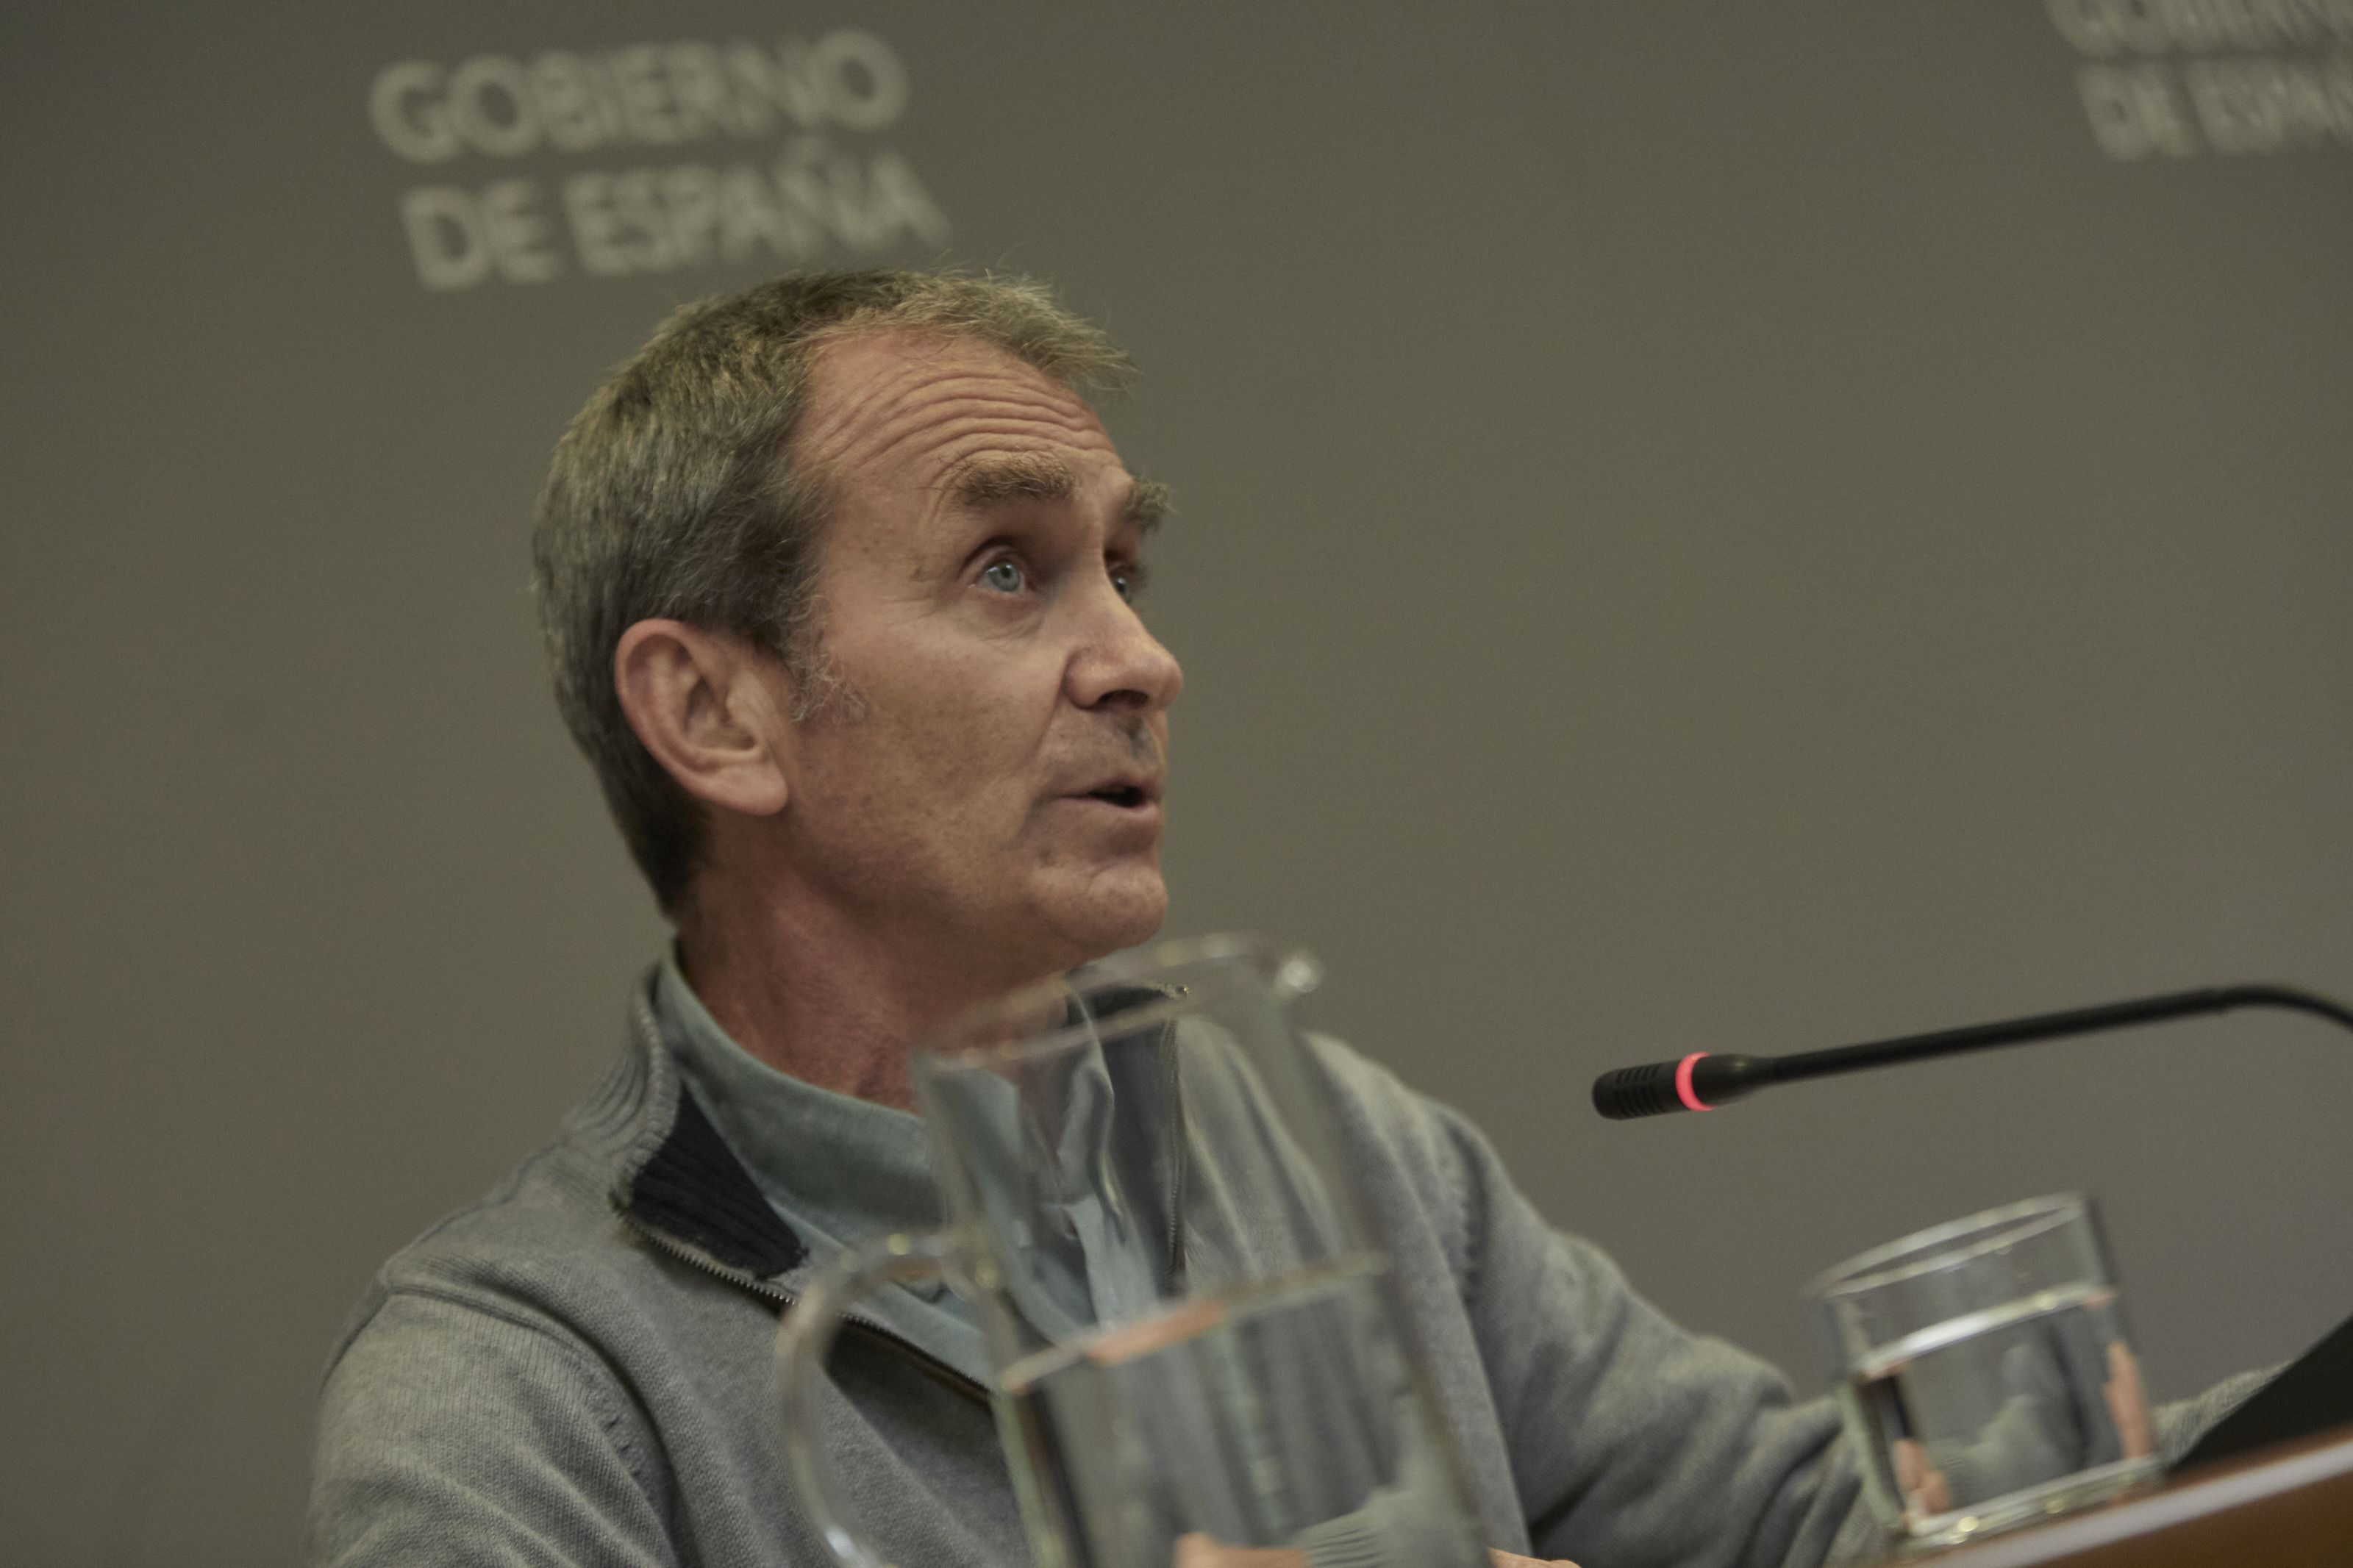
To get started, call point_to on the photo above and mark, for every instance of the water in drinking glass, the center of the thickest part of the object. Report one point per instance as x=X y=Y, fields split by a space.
x=2028 y=1407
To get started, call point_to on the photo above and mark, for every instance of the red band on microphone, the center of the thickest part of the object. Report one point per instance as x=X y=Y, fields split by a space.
x=1691 y=1102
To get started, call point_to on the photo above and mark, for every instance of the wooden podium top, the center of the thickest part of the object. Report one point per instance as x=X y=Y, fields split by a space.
x=2289 y=1506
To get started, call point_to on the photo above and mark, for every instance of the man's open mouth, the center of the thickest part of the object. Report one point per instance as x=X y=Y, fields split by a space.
x=1119 y=794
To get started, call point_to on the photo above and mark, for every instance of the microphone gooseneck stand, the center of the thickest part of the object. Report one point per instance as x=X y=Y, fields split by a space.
x=2312 y=1395
x=1703 y=1080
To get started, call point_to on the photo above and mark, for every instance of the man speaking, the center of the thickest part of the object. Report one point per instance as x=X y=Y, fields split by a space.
x=839 y=578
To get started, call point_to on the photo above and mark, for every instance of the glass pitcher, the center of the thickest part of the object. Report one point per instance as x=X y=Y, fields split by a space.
x=1194 y=1337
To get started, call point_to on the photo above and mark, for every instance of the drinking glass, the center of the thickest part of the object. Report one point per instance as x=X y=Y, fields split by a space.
x=1985 y=1373
x=1191 y=1326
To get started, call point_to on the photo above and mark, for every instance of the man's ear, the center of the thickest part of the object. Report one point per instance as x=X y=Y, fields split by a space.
x=712 y=709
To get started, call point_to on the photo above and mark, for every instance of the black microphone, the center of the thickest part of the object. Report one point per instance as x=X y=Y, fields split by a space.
x=1702 y=1082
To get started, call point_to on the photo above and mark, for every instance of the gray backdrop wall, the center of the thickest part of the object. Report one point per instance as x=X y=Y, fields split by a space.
x=1701 y=526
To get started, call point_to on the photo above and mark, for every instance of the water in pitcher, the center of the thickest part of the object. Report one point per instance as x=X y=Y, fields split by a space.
x=2022 y=1409
x=1283 y=1418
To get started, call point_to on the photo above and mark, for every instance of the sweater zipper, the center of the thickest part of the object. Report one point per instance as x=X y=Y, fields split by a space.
x=939 y=1371
x=1177 y=1164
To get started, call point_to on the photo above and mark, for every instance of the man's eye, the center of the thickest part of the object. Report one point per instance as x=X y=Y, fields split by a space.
x=1005 y=576
x=1128 y=580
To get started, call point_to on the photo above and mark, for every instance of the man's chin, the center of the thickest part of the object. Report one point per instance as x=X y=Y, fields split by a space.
x=1113 y=916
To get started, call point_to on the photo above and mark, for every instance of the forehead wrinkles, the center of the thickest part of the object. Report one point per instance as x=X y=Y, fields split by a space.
x=924 y=409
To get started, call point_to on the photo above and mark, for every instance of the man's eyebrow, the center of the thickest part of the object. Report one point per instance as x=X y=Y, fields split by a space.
x=1147 y=503
x=983 y=482
x=1015 y=477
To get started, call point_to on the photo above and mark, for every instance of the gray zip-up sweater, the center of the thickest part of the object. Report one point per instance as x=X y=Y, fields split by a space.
x=575 y=1371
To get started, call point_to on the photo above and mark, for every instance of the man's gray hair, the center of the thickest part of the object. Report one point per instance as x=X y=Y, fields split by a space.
x=675 y=494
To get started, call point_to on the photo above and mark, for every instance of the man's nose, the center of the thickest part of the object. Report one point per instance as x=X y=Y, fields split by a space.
x=1121 y=664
